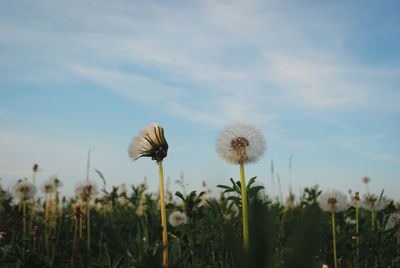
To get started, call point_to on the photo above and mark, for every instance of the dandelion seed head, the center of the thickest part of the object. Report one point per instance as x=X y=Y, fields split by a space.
x=332 y=201
x=371 y=201
x=393 y=222
x=86 y=189
x=57 y=183
x=240 y=143
x=24 y=190
x=366 y=180
x=48 y=186
x=4 y=194
x=150 y=142
x=177 y=218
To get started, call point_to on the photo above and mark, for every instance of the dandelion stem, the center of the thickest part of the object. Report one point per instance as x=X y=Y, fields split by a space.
x=244 y=208
x=163 y=216
x=75 y=235
x=88 y=224
x=334 y=239
x=24 y=226
x=357 y=230
x=373 y=218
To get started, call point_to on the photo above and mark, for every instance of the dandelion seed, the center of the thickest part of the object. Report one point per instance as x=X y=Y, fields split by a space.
x=24 y=190
x=177 y=218
x=240 y=143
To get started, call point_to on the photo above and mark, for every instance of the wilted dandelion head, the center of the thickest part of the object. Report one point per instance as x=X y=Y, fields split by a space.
x=393 y=221
x=177 y=218
x=332 y=201
x=86 y=189
x=240 y=143
x=48 y=186
x=366 y=180
x=150 y=142
x=24 y=190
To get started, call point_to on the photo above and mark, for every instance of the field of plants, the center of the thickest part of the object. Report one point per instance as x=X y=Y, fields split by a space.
x=242 y=227
x=122 y=228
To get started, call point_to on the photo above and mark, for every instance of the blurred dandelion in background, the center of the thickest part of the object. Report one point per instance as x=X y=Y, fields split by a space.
x=177 y=218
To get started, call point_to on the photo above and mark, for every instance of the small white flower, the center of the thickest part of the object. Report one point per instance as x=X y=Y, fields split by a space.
x=240 y=143
x=24 y=190
x=150 y=142
x=177 y=218
x=86 y=188
x=332 y=201
x=393 y=221
x=350 y=221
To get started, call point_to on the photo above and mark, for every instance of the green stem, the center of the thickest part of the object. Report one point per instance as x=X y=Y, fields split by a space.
x=244 y=208
x=373 y=218
x=334 y=239
x=24 y=226
x=163 y=216
x=88 y=225
x=357 y=230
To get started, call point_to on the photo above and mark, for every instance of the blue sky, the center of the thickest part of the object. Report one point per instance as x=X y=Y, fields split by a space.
x=320 y=79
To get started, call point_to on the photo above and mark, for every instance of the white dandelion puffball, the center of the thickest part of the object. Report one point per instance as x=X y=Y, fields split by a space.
x=240 y=143
x=371 y=201
x=393 y=221
x=24 y=190
x=4 y=194
x=56 y=181
x=332 y=201
x=177 y=218
x=86 y=189
x=150 y=142
x=48 y=186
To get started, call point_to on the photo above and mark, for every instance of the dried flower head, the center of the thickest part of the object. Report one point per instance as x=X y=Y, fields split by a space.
x=240 y=143
x=150 y=142
x=48 y=186
x=393 y=222
x=86 y=189
x=177 y=218
x=332 y=201
x=24 y=190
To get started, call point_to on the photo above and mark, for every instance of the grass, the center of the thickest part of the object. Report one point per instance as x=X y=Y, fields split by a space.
x=125 y=231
